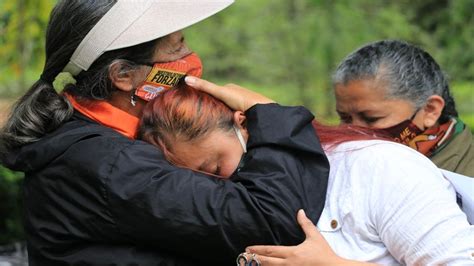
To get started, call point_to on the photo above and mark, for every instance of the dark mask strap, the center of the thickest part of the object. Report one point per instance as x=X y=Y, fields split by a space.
x=414 y=114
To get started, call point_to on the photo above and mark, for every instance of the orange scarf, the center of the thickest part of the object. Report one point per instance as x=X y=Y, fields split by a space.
x=435 y=138
x=108 y=115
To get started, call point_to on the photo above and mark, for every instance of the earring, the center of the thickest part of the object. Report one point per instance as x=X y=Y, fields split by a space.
x=133 y=100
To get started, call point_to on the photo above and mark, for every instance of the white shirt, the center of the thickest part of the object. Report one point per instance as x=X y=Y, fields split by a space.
x=388 y=204
x=464 y=186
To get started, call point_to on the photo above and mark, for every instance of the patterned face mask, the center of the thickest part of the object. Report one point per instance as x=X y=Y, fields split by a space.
x=426 y=141
x=164 y=76
x=403 y=132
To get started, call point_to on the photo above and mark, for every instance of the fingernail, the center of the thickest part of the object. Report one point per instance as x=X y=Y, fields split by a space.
x=190 y=80
x=247 y=250
x=302 y=211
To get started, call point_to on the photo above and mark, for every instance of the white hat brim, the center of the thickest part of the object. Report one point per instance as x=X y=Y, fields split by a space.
x=131 y=22
x=165 y=17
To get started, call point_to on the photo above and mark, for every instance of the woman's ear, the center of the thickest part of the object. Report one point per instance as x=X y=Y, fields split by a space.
x=432 y=110
x=240 y=119
x=123 y=76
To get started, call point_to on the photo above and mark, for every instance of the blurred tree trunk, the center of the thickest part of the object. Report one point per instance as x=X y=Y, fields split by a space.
x=330 y=58
x=296 y=12
x=21 y=44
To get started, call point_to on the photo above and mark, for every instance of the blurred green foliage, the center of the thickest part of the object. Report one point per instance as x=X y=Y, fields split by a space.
x=293 y=46
x=22 y=36
x=464 y=96
x=10 y=222
x=284 y=49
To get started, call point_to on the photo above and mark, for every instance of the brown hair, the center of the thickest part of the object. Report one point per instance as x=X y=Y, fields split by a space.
x=186 y=114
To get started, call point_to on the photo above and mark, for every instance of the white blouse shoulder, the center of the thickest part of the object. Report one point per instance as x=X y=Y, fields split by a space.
x=388 y=204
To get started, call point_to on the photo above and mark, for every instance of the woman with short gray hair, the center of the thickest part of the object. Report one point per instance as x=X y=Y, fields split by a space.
x=399 y=88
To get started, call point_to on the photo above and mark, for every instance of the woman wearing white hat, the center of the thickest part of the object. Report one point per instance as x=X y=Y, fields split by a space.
x=93 y=195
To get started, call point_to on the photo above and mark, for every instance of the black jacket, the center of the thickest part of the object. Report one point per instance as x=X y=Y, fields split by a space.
x=95 y=197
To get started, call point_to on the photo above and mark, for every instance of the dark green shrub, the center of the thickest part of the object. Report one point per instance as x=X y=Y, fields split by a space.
x=11 y=228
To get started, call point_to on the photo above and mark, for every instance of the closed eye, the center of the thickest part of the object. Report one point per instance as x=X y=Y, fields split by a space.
x=210 y=168
x=179 y=49
x=370 y=120
x=345 y=118
x=181 y=44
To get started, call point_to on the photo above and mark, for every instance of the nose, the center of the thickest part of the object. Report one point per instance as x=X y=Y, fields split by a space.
x=185 y=51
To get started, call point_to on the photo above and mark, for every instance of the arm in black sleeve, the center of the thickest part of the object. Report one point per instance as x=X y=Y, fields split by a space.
x=158 y=205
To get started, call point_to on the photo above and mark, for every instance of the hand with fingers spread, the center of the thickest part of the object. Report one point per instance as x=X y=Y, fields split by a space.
x=313 y=251
x=236 y=97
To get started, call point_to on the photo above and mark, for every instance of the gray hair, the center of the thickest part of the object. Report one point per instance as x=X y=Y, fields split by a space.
x=409 y=72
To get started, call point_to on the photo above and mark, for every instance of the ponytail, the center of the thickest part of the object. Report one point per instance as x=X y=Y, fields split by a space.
x=42 y=110
x=39 y=111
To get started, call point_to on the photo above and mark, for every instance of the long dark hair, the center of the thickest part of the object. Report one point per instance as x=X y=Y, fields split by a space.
x=41 y=109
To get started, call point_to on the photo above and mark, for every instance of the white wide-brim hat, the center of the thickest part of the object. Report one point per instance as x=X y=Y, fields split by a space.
x=131 y=22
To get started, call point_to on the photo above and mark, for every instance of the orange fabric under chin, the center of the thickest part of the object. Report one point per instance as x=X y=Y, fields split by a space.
x=108 y=115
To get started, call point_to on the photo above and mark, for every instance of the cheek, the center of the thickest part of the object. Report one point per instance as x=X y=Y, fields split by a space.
x=230 y=163
x=227 y=168
x=419 y=122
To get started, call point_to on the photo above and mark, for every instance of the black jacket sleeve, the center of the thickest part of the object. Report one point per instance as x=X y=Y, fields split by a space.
x=93 y=197
x=157 y=205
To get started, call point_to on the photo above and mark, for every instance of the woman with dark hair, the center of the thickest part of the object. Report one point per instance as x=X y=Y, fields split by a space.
x=93 y=195
x=399 y=88
x=383 y=200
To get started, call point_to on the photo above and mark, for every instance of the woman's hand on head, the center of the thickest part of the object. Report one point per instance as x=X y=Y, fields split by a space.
x=313 y=251
x=236 y=97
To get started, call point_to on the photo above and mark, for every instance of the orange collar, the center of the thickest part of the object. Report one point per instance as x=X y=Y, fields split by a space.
x=108 y=115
